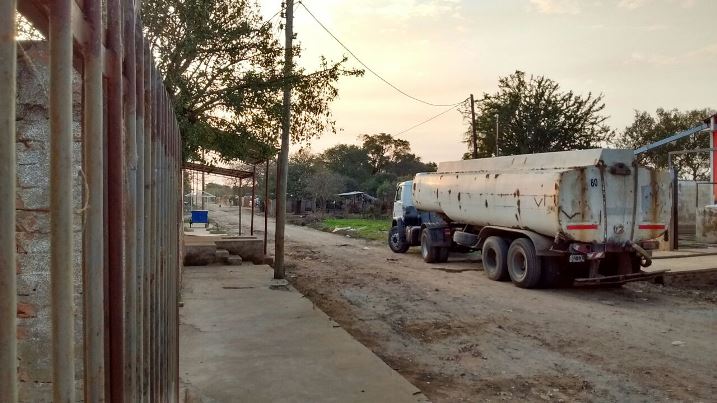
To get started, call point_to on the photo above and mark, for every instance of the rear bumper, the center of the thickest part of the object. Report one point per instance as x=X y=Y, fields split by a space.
x=619 y=279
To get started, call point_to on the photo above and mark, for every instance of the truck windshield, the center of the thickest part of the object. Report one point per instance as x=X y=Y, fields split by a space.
x=399 y=190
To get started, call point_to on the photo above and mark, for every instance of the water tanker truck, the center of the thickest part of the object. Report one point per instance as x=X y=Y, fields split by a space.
x=587 y=216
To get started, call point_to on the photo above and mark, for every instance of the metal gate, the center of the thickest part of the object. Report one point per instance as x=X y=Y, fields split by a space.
x=132 y=204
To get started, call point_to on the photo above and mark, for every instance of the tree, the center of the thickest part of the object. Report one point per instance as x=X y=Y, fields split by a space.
x=535 y=116
x=348 y=160
x=383 y=149
x=301 y=168
x=646 y=129
x=323 y=185
x=222 y=66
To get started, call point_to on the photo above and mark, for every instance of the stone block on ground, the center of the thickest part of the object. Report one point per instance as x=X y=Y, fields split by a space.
x=249 y=248
x=234 y=260
x=199 y=255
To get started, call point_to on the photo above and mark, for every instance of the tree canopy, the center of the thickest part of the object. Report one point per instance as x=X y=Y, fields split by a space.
x=222 y=65
x=646 y=129
x=348 y=167
x=535 y=115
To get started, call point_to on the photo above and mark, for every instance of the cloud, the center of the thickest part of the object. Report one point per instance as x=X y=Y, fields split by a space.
x=637 y=28
x=404 y=9
x=635 y=4
x=690 y=57
x=651 y=59
x=632 y=4
x=556 y=6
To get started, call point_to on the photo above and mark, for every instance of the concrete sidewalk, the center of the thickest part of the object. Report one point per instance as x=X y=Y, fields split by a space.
x=241 y=341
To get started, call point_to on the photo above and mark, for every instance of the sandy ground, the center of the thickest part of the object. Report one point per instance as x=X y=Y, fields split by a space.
x=458 y=336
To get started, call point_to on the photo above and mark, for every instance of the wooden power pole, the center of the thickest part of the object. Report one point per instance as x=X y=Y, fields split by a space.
x=283 y=165
x=473 y=127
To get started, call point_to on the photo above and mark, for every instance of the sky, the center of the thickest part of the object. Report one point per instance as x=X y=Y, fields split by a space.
x=640 y=54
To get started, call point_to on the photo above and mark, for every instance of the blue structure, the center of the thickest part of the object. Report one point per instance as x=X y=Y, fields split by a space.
x=199 y=217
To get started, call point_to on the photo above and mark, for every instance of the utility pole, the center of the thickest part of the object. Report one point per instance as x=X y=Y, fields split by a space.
x=283 y=165
x=202 y=193
x=497 y=128
x=473 y=127
x=241 y=203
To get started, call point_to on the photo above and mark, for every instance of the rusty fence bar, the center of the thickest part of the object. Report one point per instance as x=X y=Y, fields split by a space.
x=139 y=127
x=61 y=267
x=116 y=196
x=130 y=106
x=8 y=287
x=93 y=238
x=131 y=205
x=147 y=89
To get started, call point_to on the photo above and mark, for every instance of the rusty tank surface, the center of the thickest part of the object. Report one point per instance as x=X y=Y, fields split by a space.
x=594 y=196
x=591 y=216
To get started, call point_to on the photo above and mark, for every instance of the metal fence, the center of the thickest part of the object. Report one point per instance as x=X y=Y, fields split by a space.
x=132 y=213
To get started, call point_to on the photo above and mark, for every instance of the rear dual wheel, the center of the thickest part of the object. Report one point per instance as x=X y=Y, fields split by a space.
x=524 y=265
x=430 y=253
x=495 y=258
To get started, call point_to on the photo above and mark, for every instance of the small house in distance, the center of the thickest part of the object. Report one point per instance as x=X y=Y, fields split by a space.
x=356 y=202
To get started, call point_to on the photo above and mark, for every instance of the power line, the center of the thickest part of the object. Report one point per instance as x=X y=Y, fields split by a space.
x=369 y=68
x=431 y=118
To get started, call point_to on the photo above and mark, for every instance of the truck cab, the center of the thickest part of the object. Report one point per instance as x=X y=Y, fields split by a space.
x=403 y=199
x=412 y=227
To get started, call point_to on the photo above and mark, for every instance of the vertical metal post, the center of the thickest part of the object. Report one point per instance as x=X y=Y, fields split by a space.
x=674 y=222
x=474 y=135
x=241 y=202
x=115 y=206
x=154 y=280
x=139 y=186
x=253 y=199
x=160 y=245
x=266 y=206
x=147 y=79
x=130 y=106
x=283 y=166
x=713 y=157
x=164 y=229
x=93 y=238
x=178 y=281
x=202 y=193
x=61 y=214
x=8 y=285
x=497 y=134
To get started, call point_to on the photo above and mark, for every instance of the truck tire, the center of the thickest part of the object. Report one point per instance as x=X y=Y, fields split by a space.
x=495 y=258
x=523 y=263
x=428 y=251
x=443 y=254
x=397 y=240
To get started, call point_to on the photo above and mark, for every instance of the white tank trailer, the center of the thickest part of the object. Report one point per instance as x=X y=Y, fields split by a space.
x=587 y=216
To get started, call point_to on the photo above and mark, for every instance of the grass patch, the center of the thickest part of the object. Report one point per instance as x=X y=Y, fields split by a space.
x=362 y=227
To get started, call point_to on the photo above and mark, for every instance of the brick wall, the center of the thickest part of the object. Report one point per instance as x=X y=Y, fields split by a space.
x=33 y=225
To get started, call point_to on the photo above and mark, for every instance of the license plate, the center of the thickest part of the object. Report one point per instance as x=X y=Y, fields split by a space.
x=577 y=258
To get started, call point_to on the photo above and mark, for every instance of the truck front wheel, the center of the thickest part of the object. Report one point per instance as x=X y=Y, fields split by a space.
x=397 y=240
x=523 y=264
x=495 y=256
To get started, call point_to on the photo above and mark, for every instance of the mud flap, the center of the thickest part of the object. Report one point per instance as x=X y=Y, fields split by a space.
x=619 y=279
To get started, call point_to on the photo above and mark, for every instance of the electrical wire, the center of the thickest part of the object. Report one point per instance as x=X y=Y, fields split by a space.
x=431 y=118
x=369 y=68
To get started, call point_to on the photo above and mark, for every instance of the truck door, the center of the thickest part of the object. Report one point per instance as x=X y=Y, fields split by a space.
x=619 y=183
x=398 y=202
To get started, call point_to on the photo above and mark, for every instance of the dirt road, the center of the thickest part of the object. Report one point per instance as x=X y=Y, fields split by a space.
x=458 y=336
